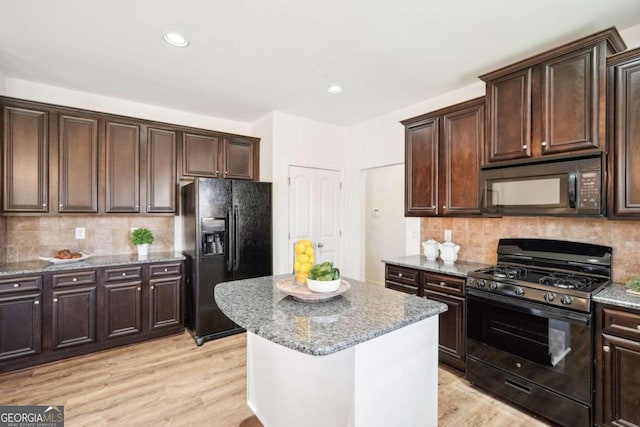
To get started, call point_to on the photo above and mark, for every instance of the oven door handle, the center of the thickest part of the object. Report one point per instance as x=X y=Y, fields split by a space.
x=531 y=307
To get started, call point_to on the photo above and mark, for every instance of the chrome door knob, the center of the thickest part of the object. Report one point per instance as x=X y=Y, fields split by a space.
x=320 y=245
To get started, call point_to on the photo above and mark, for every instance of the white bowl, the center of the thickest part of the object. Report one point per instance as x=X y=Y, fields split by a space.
x=323 y=286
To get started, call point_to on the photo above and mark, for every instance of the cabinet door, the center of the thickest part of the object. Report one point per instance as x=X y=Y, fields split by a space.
x=626 y=138
x=122 y=309
x=621 y=379
x=122 y=164
x=74 y=317
x=165 y=303
x=509 y=117
x=239 y=156
x=452 y=331
x=571 y=110
x=200 y=155
x=161 y=170
x=460 y=158
x=78 y=164
x=20 y=326
x=421 y=168
x=25 y=160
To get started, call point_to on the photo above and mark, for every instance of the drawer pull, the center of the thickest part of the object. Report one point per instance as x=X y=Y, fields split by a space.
x=36 y=302
x=138 y=289
x=124 y=274
x=166 y=269
x=55 y=300
x=638 y=327
x=544 y=144
x=443 y=284
x=75 y=279
x=606 y=349
x=152 y=287
x=399 y=274
x=16 y=285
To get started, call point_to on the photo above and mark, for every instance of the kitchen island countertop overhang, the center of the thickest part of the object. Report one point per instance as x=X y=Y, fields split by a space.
x=364 y=312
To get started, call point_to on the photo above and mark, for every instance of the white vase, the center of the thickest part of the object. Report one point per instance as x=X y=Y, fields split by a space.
x=143 y=250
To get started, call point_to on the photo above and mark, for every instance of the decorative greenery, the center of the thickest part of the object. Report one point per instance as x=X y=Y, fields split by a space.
x=634 y=283
x=141 y=235
x=324 y=272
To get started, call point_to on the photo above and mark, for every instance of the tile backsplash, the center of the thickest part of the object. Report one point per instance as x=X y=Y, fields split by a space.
x=478 y=237
x=26 y=238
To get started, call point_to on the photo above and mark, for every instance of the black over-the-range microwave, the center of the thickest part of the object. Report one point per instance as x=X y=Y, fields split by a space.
x=563 y=186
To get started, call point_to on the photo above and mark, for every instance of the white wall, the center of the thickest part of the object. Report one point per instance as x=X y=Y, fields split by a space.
x=24 y=89
x=631 y=36
x=263 y=129
x=300 y=142
x=384 y=219
x=3 y=82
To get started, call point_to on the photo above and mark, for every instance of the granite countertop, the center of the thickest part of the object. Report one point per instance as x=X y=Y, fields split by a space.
x=616 y=294
x=458 y=268
x=31 y=267
x=362 y=313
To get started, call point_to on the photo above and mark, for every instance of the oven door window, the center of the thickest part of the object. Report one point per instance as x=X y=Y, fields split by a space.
x=526 y=341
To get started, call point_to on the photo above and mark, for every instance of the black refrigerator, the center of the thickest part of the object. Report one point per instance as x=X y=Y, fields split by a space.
x=226 y=236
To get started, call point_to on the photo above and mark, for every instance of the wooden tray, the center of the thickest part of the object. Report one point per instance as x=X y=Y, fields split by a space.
x=301 y=292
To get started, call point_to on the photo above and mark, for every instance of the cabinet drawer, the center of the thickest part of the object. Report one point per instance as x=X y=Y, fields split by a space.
x=73 y=278
x=162 y=270
x=443 y=283
x=20 y=284
x=622 y=323
x=125 y=273
x=407 y=289
x=403 y=275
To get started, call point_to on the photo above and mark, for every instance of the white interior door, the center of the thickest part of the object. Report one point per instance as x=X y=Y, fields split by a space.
x=315 y=212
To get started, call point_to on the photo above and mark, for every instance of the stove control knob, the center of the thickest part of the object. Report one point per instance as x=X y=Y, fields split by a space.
x=549 y=296
x=566 y=299
x=471 y=281
x=493 y=285
x=480 y=283
x=519 y=291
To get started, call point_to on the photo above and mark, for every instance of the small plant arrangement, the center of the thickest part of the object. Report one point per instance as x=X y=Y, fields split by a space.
x=634 y=283
x=324 y=272
x=141 y=236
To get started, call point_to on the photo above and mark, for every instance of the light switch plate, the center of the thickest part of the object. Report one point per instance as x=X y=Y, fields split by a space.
x=80 y=232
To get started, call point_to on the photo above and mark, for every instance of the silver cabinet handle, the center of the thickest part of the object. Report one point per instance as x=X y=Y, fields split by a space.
x=638 y=327
x=152 y=287
x=525 y=146
x=443 y=284
x=36 y=302
x=444 y=206
x=55 y=300
x=606 y=349
x=124 y=274
x=320 y=245
x=544 y=144
x=399 y=274
x=61 y=205
x=148 y=206
x=166 y=269
x=16 y=285
x=44 y=205
x=138 y=289
x=75 y=279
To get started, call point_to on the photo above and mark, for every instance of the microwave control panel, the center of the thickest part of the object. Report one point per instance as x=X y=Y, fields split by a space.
x=589 y=190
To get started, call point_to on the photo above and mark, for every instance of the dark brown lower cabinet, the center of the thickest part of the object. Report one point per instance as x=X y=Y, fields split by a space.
x=122 y=309
x=442 y=288
x=67 y=313
x=20 y=325
x=73 y=317
x=617 y=360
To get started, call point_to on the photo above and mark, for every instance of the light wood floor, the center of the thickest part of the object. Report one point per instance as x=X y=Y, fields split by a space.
x=172 y=382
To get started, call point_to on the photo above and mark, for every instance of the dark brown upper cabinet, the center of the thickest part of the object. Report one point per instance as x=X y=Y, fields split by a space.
x=25 y=159
x=624 y=134
x=214 y=156
x=200 y=155
x=77 y=164
x=443 y=152
x=122 y=167
x=552 y=103
x=161 y=176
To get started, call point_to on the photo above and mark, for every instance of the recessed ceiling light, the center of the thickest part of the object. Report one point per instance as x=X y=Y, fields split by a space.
x=334 y=89
x=175 y=39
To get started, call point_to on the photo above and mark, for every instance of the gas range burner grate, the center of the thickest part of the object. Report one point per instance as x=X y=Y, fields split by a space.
x=566 y=281
x=509 y=272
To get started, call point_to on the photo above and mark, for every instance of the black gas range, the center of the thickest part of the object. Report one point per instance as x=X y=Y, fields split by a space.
x=554 y=272
x=530 y=325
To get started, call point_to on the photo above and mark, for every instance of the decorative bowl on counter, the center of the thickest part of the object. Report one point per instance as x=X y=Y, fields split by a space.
x=323 y=286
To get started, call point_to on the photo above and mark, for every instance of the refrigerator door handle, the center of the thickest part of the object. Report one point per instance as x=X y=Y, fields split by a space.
x=236 y=258
x=231 y=235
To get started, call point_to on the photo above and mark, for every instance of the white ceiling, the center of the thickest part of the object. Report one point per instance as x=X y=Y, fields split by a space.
x=250 y=57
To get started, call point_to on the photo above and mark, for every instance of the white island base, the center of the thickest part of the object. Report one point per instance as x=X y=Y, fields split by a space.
x=391 y=380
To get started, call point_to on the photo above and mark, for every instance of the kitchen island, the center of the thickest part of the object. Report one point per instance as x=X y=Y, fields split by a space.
x=368 y=357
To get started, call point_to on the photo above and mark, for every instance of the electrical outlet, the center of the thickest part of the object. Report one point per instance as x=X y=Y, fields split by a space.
x=80 y=232
x=447 y=235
